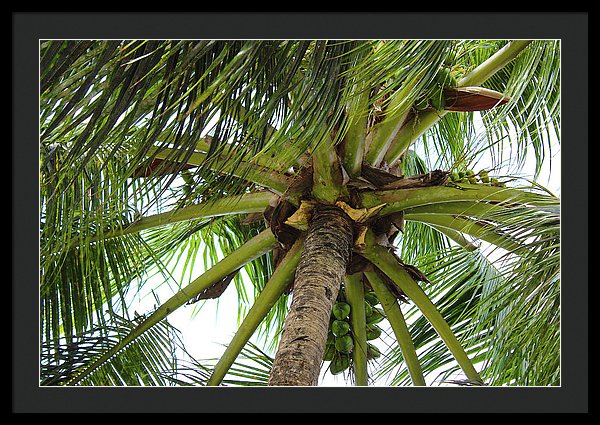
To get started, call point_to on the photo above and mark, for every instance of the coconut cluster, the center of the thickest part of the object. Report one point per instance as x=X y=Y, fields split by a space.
x=469 y=176
x=340 y=339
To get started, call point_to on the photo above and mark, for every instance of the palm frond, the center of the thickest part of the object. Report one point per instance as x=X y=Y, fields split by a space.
x=530 y=120
x=75 y=287
x=419 y=239
x=451 y=142
x=145 y=362
x=531 y=80
x=77 y=282
x=529 y=304
x=132 y=129
x=456 y=279
x=173 y=93
x=416 y=239
x=200 y=244
x=489 y=305
x=251 y=368
x=533 y=83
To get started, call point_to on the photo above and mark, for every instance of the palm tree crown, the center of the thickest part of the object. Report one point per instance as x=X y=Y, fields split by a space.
x=316 y=175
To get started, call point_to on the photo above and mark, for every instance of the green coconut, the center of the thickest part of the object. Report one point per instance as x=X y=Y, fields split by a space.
x=344 y=344
x=377 y=316
x=329 y=352
x=371 y=298
x=497 y=183
x=339 y=364
x=340 y=327
x=341 y=310
x=372 y=352
x=484 y=176
x=373 y=332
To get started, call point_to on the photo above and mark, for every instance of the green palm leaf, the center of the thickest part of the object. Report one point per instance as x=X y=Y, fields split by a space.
x=145 y=362
x=144 y=142
x=530 y=120
x=250 y=369
x=482 y=301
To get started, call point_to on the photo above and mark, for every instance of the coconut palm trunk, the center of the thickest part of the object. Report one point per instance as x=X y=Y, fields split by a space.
x=319 y=275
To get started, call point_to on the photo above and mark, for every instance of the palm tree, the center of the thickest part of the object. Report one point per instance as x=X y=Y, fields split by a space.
x=335 y=182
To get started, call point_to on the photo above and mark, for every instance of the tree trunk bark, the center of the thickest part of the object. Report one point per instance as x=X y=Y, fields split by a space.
x=317 y=282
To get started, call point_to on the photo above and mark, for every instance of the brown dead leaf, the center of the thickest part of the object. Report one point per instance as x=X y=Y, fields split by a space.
x=360 y=241
x=215 y=290
x=360 y=215
x=300 y=219
x=468 y=99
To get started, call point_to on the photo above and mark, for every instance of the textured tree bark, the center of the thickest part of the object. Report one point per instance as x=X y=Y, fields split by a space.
x=317 y=282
